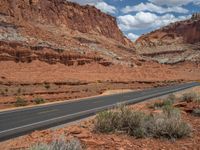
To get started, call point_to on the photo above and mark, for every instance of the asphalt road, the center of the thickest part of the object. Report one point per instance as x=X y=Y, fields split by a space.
x=18 y=122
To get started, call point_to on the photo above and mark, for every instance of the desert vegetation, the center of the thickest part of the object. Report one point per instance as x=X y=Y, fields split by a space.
x=39 y=100
x=60 y=144
x=169 y=101
x=167 y=124
x=47 y=85
x=189 y=97
x=20 y=102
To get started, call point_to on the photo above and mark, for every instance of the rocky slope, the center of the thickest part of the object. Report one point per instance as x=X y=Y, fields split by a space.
x=59 y=31
x=174 y=43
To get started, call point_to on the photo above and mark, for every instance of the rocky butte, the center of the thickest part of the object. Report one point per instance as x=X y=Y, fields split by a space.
x=177 y=42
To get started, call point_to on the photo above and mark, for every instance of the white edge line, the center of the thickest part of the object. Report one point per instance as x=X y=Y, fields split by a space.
x=91 y=111
x=64 y=102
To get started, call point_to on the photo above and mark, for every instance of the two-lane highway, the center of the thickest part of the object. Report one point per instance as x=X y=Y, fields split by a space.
x=18 y=122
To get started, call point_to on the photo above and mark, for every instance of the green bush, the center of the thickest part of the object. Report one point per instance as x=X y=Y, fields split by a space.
x=189 y=97
x=138 y=124
x=73 y=144
x=107 y=121
x=39 y=100
x=20 y=102
x=171 y=111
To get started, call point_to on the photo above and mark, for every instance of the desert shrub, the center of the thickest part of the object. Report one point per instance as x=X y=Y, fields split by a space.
x=20 y=102
x=169 y=101
x=198 y=99
x=138 y=124
x=168 y=125
x=172 y=98
x=161 y=104
x=188 y=97
x=107 y=121
x=196 y=112
x=39 y=100
x=124 y=117
x=169 y=110
x=60 y=144
x=47 y=85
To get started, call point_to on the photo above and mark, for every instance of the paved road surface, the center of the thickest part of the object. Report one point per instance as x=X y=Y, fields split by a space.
x=18 y=122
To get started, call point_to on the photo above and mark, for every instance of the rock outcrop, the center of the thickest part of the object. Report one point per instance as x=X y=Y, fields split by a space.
x=177 y=42
x=86 y=19
x=60 y=31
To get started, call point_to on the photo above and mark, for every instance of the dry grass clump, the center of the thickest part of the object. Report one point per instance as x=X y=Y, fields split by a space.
x=39 y=100
x=138 y=124
x=189 y=97
x=20 y=102
x=169 y=101
x=60 y=144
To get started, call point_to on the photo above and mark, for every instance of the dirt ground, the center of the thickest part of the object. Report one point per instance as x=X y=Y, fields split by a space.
x=59 y=82
x=95 y=141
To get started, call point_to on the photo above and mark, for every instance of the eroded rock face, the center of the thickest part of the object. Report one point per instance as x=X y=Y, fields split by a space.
x=86 y=19
x=60 y=31
x=180 y=32
x=177 y=42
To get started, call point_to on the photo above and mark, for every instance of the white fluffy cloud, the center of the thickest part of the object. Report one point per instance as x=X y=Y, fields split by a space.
x=146 y=20
x=132 y=36
x=103 y=6
x=174 y=2
x=106 y=8
x=153 y=8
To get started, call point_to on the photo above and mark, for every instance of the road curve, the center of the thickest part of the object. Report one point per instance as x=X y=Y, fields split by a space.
x=19 y=122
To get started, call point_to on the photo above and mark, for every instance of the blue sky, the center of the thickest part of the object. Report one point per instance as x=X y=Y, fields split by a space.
x=137 y=17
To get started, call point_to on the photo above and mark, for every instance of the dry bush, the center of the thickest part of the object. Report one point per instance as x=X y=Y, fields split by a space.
x=60 y=144
x=189 y=97
x=169 y=101
x=138 y=124
x=20 y=102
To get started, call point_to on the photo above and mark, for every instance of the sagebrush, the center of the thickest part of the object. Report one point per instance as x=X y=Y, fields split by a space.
x=59 y=144
x=139 y=124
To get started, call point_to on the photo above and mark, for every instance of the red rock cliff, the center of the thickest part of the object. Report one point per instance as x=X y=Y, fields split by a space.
x=185 y=32
x=86 y=19
x=177 y=42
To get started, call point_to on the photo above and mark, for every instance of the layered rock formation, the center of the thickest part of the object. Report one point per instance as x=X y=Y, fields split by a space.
x=86 y=19
x=59 y=31
x=177 y=42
